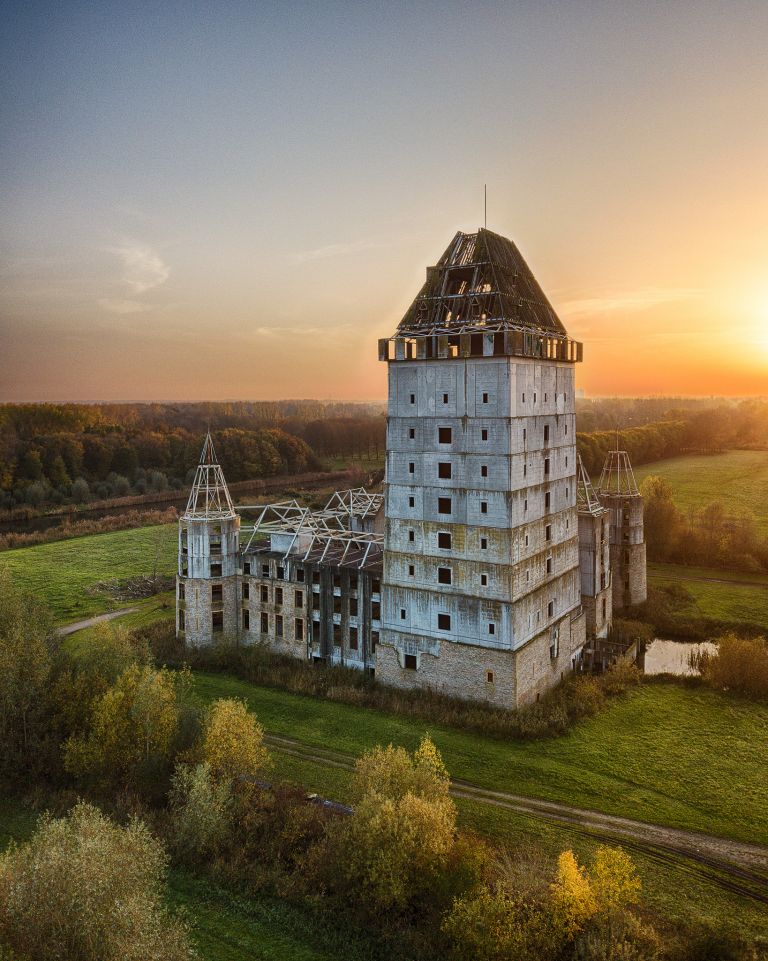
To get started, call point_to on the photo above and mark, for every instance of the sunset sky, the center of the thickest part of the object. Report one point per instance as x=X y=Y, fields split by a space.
x=235 y=200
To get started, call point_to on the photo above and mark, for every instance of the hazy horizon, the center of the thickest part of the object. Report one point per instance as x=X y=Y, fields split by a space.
x=201 y=205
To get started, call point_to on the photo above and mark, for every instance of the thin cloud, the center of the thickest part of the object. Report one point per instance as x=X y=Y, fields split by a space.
x=629 y=301
x=123 y=306
x=143 y=269
x=334 y=250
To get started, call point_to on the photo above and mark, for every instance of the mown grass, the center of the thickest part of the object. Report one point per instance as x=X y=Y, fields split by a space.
x=738 y=478
x=664 y=753
x=61 y=573
x=729 y=601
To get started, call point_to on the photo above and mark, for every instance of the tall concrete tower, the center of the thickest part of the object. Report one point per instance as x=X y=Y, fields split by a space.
x=594 y=557
x=481 y=563
x=206 y=585
x=617 y=490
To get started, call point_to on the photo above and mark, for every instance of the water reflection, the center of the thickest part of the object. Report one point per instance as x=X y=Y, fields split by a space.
x=671 y=657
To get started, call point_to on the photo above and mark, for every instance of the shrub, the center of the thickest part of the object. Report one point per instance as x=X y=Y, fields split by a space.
x=85 y=888
x=739 y=664
x=201 y=812
x=233 y=741
x=617 y=936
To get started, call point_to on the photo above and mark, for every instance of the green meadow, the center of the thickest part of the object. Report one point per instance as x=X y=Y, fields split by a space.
x=722 y=595
x=738 y=478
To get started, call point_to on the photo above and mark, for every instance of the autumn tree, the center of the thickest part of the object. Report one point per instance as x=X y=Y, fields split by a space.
x=403 y=828
x=202 y=810
x=86 y=888
x=233 y=741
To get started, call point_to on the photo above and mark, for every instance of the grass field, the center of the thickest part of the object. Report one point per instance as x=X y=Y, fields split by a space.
x=723 y=595
x=61 y=572
x=649 y=755
x=738 y=478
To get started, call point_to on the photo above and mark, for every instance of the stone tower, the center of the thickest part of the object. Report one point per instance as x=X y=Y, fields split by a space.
x=594 y=556
x=480 y=591
x=617 y=491
x=206 y=592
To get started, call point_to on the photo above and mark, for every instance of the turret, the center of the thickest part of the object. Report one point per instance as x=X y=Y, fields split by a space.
x=594 y=556
x=209 y=533
x=617 y=491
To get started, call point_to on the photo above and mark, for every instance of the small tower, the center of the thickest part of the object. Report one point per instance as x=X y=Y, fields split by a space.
x=594 y=556
x=617 y=490
x=209 y=535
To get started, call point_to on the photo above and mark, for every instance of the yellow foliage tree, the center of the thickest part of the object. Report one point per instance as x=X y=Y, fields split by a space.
x=233 y=741
x=614 y=880
x=572 y=893
x=403 y=827
x=133 y=721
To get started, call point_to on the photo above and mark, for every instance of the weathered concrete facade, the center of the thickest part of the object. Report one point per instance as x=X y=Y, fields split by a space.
x=619 y=494
x=594 y=558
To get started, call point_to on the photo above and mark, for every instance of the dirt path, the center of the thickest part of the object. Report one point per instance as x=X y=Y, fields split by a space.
x=706 y=580
x=97 y=619
x=736 y=866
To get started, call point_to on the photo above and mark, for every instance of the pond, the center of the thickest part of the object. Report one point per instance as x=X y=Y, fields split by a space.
x=671 y=657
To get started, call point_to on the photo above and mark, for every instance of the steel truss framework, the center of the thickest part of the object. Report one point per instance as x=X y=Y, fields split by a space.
x=321 y=535
x=209 y=498
x=617 y=476
x=586 y=499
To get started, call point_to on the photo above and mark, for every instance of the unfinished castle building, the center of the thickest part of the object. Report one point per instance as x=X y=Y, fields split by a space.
x=488 y=560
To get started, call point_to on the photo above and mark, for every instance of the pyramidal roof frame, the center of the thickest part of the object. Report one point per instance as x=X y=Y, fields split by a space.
x=586 y=499
x=481 y=283
x=209 y=498
x=617 y=476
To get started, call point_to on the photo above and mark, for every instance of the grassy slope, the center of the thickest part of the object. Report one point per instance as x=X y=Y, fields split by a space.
x=61 y=572
x=724 y=601
x=650 y=755
x=738 y=478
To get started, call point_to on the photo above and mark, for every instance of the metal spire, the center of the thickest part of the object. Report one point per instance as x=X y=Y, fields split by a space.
x=209 y=497
x=586 y=498
x=617 y=476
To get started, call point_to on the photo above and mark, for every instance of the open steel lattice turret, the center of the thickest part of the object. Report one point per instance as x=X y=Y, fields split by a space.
x=617 y=476
x=587 y=501
x=209 y=498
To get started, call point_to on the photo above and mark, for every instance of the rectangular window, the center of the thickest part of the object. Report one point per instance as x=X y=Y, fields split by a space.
x=298 y=598
x=548 y=532
x=483 y=543
x=181 y=591
x=411 y=536
x=337 y=635
x=546 y=433
x=525 y=434
x=246 y=621
x=443 y=505
x=353 y=638
x=265 y=570
x=444 y=470
x=411 y=570
x=410 y=662
x=491 y=628
x=483 y=507
x=525 y=504
x=484 y=470
x=483 y=580
x=300 y=575
x=443 y=622
x=279 y=596
x=315 y=577
x=402 y=614
x=217 y=621
x=353 y=582
x=264 y=623
x=215 y=570
x=411 y=501
x=337 y=580
x=246 y=567
x=217 y=593
x=523 y=397
x=444 y=541
x=549 y=565
x=443 y=575
x=246 y=590
x=546 y=467
x=374 y=640
x=315 y=602
x=337 y=604
x=485 y=398
x=353 y=607
x=181 y=619
x=298 y=629
x=279 y=625
x=375 y=610
x=412 y=433
x=489 y=676
x=445 y=398
x=547 y=500
x=411 y=468
x=413 y=398
x=445 y=435
x=375 y=586
x=484 y=434
x=550 y=608
x=281 y=573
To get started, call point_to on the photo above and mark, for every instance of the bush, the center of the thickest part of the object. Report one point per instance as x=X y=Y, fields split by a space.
x=85 y=888
x=201 y=812
x=617 y=936
x=740 y=664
